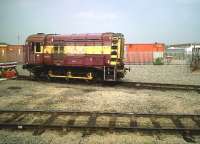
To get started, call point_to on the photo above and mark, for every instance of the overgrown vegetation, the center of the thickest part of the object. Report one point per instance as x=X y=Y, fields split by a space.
x=158 y=61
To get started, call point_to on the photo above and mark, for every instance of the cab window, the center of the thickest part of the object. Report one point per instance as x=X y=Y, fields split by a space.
x=37 y=48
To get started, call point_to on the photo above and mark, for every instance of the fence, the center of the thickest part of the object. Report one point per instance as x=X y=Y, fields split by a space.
x=177 y=58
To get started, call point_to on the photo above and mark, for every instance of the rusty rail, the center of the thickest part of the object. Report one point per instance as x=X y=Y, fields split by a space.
x=36 y=119
x=128 y=84
x=160 y=86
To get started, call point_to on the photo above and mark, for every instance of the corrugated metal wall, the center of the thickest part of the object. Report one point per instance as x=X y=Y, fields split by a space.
x=143 y=53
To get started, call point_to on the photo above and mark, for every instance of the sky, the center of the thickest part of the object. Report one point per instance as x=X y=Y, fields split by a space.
x=141 y=21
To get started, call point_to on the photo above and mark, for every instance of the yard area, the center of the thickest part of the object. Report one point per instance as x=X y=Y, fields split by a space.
x=23 y=95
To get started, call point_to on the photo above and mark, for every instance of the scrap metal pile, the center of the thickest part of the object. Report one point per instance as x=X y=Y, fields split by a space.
x=8 y=70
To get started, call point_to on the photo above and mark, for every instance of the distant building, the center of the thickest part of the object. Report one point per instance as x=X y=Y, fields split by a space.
x=184 y=48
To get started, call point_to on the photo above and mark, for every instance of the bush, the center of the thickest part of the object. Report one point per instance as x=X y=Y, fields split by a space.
x=158 y=61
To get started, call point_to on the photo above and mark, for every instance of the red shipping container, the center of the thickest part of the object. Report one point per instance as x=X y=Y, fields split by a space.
x=143 y=53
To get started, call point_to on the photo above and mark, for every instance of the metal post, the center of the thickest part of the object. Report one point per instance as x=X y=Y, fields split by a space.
x=104 y=72
x=114 y=73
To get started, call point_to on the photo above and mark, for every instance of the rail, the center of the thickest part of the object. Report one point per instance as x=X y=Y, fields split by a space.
x=128 y=84
x=160 y=86
x=36 y=119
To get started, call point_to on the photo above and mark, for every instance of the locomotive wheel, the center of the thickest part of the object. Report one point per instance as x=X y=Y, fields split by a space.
x=47 y=77
x=36 y=75
x=52 y=79
x=67 y=80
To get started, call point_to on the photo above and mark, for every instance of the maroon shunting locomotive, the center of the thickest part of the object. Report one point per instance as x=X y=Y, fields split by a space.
x=76 y=56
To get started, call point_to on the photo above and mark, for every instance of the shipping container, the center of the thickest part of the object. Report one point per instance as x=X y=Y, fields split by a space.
x=143 y=53
x=11 y=53
x=15 y=53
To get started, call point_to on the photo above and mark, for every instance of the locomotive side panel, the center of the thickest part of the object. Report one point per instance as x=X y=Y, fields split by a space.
x=78 y=50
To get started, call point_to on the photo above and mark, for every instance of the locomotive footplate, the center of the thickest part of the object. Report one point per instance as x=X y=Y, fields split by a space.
x=69 y=75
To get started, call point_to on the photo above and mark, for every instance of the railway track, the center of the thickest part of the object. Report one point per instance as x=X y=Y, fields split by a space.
x=65 y=120
x=126 y=84
x=160 y=86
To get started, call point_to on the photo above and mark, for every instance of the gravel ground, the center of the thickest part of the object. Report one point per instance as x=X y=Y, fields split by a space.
x=41 y=95
x=174 y=74
x=23 y=95
x=54 y=137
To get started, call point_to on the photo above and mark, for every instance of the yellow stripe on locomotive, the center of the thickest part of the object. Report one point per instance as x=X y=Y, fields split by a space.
x=80 y=49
